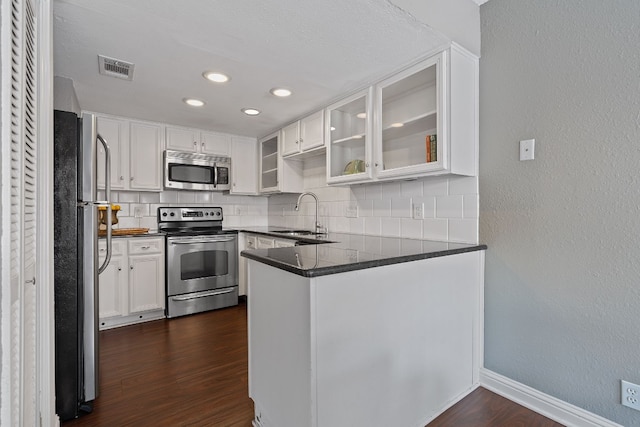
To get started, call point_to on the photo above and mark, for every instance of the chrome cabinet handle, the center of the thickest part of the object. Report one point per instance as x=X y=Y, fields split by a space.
x=145 y=247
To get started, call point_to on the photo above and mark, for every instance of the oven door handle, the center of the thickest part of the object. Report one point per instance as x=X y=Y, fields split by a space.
x=188 y=242
x=203 y=295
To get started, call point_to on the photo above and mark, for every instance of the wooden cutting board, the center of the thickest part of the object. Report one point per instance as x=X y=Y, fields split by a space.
x=124 y=231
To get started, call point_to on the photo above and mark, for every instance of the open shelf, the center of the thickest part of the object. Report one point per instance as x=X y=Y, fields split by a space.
x=423 y=123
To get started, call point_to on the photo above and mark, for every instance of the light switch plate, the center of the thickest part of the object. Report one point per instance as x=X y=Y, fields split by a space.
x=527 y=148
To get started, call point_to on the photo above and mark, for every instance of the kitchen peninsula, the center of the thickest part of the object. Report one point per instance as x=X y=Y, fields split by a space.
x=363 y=330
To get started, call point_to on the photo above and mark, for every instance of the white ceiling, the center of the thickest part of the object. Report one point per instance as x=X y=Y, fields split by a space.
x=320 y=50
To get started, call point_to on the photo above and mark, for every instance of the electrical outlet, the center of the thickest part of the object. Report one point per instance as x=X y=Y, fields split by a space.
x=137 y=212
x=351 y=210
x=630 y=395
x=418 y=211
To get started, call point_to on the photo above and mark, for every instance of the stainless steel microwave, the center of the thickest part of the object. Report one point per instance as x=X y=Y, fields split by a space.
x=194 y=171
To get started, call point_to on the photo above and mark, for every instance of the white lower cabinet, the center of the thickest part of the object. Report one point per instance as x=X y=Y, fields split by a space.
x=131 y=289
x=255 y=241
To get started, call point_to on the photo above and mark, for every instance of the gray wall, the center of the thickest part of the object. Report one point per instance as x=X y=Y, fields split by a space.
x=563 y=230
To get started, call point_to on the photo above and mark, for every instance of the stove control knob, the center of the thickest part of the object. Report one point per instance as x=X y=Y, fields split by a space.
x=172 y=214
x=218 y=213
x=206 y=214
x=164 y=214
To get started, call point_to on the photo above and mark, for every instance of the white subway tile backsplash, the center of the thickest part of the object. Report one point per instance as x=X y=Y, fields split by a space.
x=470 y=206
x=382 y=208
x=411 y=228
x=150 y=222
x=435 y=186
x=169 y=196
x=138 y=210
x=186 y=197
x=412 y=188
x=463 y=230
x=463 y=185
x=204 y=197
x=391 y=190
x=358 y=192
x=365 y=208
x=449 y=207
x=372 y=226
x=128 y=197
x=373 y=191
x=436 y=229
x=356 y=225
x=401 y=207
x=390 y=227
x=128 y=222
x=148 y=197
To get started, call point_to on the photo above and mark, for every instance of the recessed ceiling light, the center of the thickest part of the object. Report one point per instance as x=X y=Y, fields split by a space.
x=250 y=111
x=361 y=115
x=193 y=102
x=281 y=92
x=397 y=125
x=216 y=77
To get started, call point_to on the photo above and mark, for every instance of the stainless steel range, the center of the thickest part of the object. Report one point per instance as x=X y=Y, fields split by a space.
x=202 y=260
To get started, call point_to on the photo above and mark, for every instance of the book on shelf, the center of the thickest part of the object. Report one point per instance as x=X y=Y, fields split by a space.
x=432 y=148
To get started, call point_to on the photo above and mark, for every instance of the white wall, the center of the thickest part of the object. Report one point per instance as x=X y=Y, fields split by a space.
x=385 y=209
x=563 y=264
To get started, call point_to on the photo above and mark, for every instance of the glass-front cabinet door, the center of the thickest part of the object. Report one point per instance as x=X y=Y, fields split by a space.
x=269 y=163
x=348 y=139
x=409 y=125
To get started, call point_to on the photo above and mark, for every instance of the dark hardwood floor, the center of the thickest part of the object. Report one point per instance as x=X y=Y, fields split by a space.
x=192 y=371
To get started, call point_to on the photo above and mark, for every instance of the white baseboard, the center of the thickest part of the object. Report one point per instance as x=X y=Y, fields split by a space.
x=551 y=407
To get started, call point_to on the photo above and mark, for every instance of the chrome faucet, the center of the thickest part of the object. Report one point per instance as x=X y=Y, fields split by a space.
x=318 y=227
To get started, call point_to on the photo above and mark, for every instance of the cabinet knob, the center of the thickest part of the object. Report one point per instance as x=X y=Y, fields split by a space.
x=195 y=142
x=131 y=179
x=202 y=145
x=366 y=165
x=298 y=141
x=131 y=267
x=119 y=268
x=376 y=164
x=121 y=178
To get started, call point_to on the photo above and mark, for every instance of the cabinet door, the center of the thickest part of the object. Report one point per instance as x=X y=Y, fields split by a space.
x=146 y=282
x=283 y=243
x=265 y=243
x=312 y=131
x=349 y=139
x=244 y=166
x=409 y=128
x=182 y=139
x=115 y=133
x=269 y=163
x=112 y=285
x=290 y=137
x=215 y=143
x=145 y=156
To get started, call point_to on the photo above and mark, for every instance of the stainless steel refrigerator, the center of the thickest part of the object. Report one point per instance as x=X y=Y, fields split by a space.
x=76 y=263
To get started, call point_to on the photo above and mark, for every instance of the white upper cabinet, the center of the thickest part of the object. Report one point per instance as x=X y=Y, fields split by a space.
x=145 y=156
x=423 y=121
x=136 y=153
x=244 y=166
x=116 y=134
x=426 y=118
x=278 y=175
x=193 y=140
x=348 y=136
x=303 y=136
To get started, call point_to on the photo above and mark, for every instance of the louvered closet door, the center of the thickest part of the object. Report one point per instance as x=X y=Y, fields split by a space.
x=23 y=120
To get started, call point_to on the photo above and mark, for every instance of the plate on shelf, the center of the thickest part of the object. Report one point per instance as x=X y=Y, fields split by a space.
x=354 y=166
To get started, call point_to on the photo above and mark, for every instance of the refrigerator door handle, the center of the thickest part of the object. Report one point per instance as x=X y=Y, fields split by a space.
x=107 y=193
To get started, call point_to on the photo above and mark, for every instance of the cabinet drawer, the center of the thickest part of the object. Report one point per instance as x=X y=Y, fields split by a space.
x=138 y=246
x=117 y=247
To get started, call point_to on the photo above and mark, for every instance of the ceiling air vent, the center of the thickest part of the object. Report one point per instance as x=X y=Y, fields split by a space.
x=115 y=68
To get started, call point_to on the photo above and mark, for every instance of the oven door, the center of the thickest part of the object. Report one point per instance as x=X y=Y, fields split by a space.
x=198 y=263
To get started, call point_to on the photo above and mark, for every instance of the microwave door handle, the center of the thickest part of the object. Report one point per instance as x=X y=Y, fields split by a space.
x=215 y=175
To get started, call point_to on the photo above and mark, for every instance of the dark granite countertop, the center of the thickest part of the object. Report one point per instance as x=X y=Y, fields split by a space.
x=341 y=252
